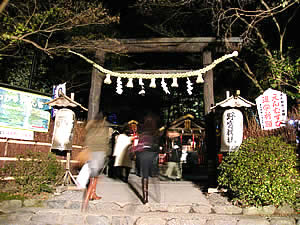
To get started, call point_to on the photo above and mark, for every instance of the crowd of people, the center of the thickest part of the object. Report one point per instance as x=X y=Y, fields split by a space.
x=131 y=148
x=117 y=151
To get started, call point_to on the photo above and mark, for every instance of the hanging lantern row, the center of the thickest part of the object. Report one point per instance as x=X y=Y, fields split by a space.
x=162 y=76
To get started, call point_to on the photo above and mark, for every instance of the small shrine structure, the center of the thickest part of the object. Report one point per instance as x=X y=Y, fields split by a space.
x=188 y=134
x=185 y=128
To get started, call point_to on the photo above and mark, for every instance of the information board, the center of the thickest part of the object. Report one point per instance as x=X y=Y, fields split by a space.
x=24 y=110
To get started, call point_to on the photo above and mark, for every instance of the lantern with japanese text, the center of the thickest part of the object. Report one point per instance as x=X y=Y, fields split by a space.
x=232 y=130
x=63 y=130
x=232 y=121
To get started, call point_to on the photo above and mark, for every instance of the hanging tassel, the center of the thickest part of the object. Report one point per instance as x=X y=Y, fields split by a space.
x=189 y=86
x=174 y=84
x=129 y=83
x=107 y=79
x=119 y=86
x=142 y=92
x=152 y=84
x=199 y=79
x=164 y=86
x=141 y=81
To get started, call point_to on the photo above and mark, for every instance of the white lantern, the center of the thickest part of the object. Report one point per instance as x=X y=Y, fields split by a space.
x=232 y=130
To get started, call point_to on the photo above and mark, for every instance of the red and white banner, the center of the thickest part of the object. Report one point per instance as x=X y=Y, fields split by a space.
x=272 y=109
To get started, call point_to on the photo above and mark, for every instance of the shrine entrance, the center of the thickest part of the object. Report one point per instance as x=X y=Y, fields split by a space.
x=201 y=45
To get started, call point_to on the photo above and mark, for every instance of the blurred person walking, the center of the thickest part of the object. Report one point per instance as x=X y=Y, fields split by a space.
x=97 y=141
x=123 y=162
x=147 y=153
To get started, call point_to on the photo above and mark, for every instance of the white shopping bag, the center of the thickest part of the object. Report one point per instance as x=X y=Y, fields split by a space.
x=83 y=176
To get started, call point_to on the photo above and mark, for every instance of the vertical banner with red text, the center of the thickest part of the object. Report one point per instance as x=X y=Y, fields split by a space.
x=272 y=109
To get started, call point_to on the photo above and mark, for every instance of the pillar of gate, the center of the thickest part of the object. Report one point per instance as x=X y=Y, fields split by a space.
x=96 y=85
x=208 y=93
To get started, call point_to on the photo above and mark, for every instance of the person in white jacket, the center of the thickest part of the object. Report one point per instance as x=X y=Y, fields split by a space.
x=121 y=153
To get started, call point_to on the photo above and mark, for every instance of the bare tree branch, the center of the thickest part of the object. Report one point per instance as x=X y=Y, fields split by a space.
x=32 y=23
x=3 y=5
x=247 y=71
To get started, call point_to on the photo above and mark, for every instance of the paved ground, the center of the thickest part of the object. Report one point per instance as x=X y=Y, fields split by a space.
x=170 y=203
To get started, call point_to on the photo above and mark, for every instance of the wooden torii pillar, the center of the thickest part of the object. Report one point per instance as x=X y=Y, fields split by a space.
x=96 y=87
x=157 y=45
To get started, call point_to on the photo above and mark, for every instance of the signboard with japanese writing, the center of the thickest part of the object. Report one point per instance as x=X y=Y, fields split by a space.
x=24 y=110
x=232 y=130
x=16 y=133
x=63 y=130
x=272 y=109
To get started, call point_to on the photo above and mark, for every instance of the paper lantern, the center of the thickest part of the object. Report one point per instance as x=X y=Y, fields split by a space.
x=232 y=130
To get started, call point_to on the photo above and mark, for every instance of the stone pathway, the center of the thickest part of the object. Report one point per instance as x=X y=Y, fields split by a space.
x=171 y=203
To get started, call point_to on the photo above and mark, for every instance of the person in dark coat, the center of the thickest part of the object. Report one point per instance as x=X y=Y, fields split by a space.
x=147 y=153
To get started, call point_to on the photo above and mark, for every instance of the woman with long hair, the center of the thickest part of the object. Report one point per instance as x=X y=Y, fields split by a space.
x=146 y=155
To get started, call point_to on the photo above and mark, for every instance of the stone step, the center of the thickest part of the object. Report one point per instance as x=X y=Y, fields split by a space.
x=113 y=207
x=39 y=216
x=169 y=203
x=183 y=208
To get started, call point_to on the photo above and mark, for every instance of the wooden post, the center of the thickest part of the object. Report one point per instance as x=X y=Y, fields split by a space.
x=96 y=86
x=208 y=88
x=5 y=148
x=208 y=91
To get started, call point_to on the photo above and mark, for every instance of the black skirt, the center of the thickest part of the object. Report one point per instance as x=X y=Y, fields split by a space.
x=147 y=164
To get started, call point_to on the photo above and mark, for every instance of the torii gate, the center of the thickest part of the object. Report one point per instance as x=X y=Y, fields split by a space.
x=157 y=45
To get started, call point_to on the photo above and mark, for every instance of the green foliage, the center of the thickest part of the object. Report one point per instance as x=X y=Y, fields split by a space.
x=27 y=24
x=262 y=172
x=285 y=74
x=19 y=73
x=34 y=174
x=8 y=196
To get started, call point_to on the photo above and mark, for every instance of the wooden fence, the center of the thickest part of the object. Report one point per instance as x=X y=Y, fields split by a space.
x=11 y=148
